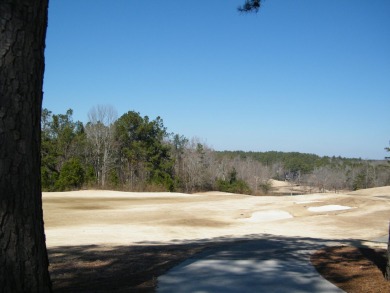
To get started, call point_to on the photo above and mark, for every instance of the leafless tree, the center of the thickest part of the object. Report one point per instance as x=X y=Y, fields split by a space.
x=100 y=134
x=319 y=178
x=336 y=180
x=254 y=173
x=197 y=165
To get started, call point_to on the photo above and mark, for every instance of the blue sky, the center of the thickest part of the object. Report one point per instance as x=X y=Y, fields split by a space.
x=307 y=76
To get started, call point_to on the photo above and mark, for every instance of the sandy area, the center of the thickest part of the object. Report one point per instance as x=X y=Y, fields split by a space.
x=329 y=208
x=123 y=218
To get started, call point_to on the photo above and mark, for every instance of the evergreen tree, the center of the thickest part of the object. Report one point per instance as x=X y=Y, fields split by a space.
x=62 y=140
x=143 y=152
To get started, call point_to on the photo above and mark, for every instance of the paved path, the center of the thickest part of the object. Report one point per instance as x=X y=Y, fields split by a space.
x=268 y=265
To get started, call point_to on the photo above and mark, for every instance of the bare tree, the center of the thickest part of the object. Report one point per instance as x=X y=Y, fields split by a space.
x=100 y=133
x=319 y=178
x=197 y=161
x=254 y=173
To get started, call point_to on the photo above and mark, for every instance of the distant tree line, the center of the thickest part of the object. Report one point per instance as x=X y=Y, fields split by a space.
x=136 y=153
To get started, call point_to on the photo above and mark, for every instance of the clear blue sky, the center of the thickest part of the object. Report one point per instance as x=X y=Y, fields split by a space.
x=301 y=75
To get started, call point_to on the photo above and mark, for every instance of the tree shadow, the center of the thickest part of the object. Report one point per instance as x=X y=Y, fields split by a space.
x=135 y=268
x=376 y=257
x=94 y=268
x=352 y=268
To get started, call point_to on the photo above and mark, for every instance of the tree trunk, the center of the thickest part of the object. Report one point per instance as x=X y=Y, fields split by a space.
x=387 y=274
x=23 y=255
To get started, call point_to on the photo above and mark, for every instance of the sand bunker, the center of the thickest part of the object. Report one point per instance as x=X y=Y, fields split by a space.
x=268 y=216
x=328 y=208
x=307 y=201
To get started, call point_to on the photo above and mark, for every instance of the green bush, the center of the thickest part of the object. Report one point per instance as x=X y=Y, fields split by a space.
x=90 y=176
x=233 y=185
x=71 y=176
x=113 y=179
x=238 y=186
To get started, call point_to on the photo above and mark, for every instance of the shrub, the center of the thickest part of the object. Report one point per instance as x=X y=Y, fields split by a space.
x=113 y=179
x=233 y=185
x=90 y=176
x=71 y=175
x=238 y=186
x=266 y=187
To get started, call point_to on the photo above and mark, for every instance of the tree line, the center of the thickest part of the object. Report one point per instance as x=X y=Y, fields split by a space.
x=136 y=153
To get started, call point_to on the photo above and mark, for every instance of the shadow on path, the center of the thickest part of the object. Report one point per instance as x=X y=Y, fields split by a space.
x=267 y=258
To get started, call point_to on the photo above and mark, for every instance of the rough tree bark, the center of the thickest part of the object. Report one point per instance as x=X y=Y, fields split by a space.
x=387 y=273
x=23 y=255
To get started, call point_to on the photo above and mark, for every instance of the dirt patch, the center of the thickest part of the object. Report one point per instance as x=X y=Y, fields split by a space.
x=358 y=270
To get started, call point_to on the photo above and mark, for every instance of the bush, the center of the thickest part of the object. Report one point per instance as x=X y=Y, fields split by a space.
x=71 y=176
x=90 y=176
x=233 y=185
x=113 y=179
x=266 y=187
x=238 y=186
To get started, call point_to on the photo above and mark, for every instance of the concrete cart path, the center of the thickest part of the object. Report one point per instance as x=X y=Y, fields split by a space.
x=269 y=265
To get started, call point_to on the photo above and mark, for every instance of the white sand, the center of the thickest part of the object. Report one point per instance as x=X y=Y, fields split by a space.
x=269 y=216
x=307 y=201
x=329 y=208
